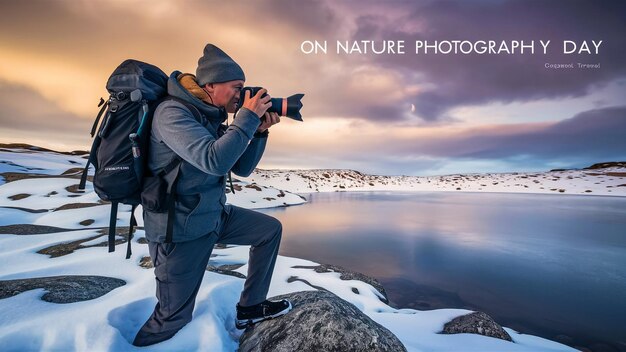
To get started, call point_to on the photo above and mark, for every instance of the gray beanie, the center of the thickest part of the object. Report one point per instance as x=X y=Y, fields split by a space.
x=216 y=66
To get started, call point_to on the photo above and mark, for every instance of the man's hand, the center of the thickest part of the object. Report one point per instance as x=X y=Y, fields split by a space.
x=268 y=120
x=257 y=104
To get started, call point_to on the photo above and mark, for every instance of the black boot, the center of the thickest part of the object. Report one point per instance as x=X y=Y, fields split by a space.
x=248 y=316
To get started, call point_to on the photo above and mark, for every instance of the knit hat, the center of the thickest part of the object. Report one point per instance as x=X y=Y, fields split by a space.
x=216 y=66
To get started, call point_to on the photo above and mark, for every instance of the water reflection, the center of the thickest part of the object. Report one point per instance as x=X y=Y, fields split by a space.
x=543 y=264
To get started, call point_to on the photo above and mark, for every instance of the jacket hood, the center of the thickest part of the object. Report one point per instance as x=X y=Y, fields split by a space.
x=212 y=112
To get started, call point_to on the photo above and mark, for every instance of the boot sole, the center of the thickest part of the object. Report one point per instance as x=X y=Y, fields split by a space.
x=244 y=323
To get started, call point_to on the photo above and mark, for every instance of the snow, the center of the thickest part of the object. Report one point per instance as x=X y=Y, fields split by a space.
x=33 y=161
x=110 y=322
x=9 y=216
x=252 y=196
x=49 y=191
x=606 y=182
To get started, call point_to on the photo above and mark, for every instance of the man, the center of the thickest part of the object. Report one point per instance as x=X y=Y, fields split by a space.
x=208 y=151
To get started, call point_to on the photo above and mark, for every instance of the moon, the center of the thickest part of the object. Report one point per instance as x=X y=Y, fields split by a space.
x=412 y=107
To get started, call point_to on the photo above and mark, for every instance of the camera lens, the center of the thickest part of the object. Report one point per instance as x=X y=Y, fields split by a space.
x=289 y=107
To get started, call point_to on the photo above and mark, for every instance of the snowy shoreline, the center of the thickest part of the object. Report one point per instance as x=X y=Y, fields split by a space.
x=609 y=181
x=280 y=187
x=73 y=221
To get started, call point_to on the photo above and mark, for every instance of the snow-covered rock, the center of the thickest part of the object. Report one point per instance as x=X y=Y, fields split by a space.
x=63 y=289
x=476 y=323
x=319 y=321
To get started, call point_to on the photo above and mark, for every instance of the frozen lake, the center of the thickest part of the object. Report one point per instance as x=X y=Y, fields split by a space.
x=549 y=265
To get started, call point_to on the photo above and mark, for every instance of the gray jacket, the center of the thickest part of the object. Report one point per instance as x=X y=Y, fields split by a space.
x=207 y=156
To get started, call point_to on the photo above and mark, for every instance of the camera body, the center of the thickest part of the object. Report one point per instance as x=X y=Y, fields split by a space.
x=289 y=107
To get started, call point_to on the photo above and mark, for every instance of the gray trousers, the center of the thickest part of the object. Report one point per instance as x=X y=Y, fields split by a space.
x=180 y=267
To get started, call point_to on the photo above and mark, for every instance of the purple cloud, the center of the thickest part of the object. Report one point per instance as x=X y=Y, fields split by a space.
x=460 y=80
x=589 y=137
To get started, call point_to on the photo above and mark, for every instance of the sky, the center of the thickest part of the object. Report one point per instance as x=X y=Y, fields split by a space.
x=388 y=114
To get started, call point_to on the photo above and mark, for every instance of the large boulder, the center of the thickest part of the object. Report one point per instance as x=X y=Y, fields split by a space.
x=476 y=323
x=319 y=321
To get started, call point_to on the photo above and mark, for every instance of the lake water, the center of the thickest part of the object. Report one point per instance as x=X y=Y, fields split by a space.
x=548 y=265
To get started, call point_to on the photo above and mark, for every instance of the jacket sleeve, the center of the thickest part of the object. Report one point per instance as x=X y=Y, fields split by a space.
x=251 y=157
x=175 y=126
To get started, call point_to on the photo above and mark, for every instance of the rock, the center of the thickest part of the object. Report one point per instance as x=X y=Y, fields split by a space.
x=142 y=240
x=63 y=289
x=236 y=187
x=226 y=269
x=319 y=321
x=38 y=211
x=146 y=262
x=65 y=248
x=74 y=189
x=606 y=164
x=19 y=196
x=10 y=146
x=16 y=176
x=253 y=186
x=348 y=275
x=73 y=171
x=76 y=206
x=30 y=229
x=476 y=323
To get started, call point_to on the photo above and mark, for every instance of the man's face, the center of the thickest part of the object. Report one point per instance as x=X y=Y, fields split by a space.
x=226 y=94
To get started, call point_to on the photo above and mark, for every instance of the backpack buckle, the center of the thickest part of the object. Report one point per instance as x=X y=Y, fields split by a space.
x=120 y=96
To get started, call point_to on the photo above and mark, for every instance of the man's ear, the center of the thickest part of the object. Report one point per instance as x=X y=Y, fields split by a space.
x=209 y=88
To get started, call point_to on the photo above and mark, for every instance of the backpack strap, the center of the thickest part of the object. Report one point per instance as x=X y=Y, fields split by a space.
x=230 y=181
x=94 y=146
x=112 y=223
x=112 y=227
x=133 y=223
x=171 y=172
x=90 y=161
x=104 y=105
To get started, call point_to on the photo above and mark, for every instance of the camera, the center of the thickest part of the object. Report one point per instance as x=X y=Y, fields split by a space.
x=289 y=107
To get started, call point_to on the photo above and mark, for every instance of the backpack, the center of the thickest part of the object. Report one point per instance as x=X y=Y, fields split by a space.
x=120 y=147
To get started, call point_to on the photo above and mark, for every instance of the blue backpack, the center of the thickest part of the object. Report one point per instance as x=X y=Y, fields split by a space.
x=120 y=146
